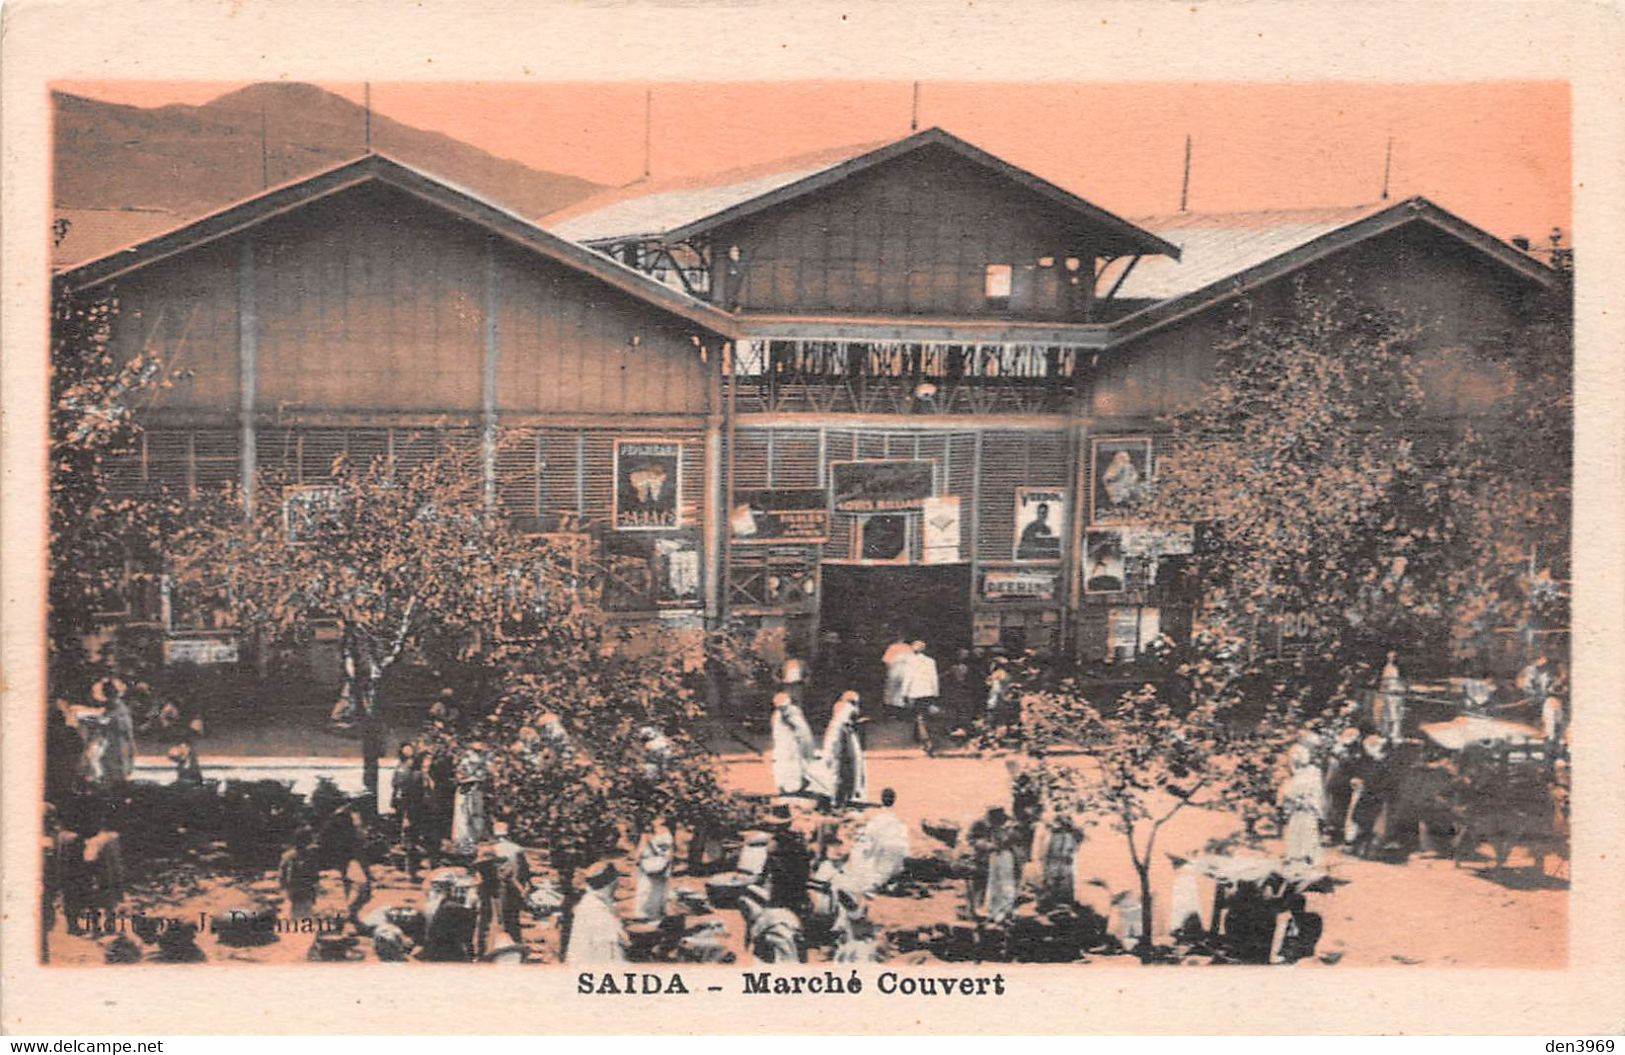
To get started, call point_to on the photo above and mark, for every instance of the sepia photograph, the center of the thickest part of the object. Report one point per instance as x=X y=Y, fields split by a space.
x=906 y=525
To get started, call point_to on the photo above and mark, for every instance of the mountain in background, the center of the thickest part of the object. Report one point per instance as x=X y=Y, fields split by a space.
x=189 y=160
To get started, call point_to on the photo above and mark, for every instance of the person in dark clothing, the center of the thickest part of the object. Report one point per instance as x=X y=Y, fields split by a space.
x=1249 y=924
x=959 y=691
x=789 y=866
x=409 y=799
x=63 y=750
x=450 y=927
x=504 y=876
x=298 y=874
x=441 y=798
x=1375 y=775
x=342 y=845
x=1303 y=931
x=1026 y=808
x=1341 y=766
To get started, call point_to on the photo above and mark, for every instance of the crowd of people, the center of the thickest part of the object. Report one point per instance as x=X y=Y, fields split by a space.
x=805 y=878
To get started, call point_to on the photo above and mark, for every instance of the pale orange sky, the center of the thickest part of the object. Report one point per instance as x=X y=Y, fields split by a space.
x=1497 y=153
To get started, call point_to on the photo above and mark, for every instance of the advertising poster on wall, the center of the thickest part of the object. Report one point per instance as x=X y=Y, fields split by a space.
x=648 y=476
x=1041 y=523
x=653 y=571
x=1104 y=569
x=883 y=539
x=940 y=520
x=1122 y=472
x=881 y=487
x=1020 y=584
x=779 y=515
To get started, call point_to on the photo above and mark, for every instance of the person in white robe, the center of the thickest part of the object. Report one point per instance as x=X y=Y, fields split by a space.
x=793 y=746
x=1056 y=850
x=896 y=659
x=1303 y=803
x=596 y=934
x=857 y=939
x=1390 y=701
x=846 y=776
x=880 y=850
x=1552 y=720
x=656 y=852
x=110 y=747
x=1185 y=905
x=470 y=825
x=1001 y=880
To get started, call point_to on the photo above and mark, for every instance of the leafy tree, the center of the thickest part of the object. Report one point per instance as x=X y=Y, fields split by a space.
x=591 y=740
x=1192 y=743
x=397 y=558
x=103 y=544
x=1327 y=483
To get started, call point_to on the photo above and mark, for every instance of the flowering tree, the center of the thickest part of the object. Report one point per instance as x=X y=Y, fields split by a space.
x=1209 y=737
x=93 y=534
x=591 y=740
x=1327 y=486
x=395 y=558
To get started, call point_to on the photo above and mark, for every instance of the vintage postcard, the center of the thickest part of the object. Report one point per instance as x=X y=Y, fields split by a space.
x=914 y=545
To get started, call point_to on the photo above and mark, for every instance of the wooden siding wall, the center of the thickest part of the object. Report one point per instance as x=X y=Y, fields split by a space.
x=184 y=310
x=542 y=474
x=909 y=237
x=571 y=344
x=375 y=303
x=1454 y=294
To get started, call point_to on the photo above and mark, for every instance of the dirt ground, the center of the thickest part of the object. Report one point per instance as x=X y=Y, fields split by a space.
x=1424 y=911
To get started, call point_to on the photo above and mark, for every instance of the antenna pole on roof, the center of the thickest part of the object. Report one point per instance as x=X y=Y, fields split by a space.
x=1185 y=181
x=1387 y=167
x=648 y=131
x=366 y=95
x=914 y=110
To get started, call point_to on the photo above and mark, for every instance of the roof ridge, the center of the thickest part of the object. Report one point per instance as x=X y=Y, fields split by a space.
x=648 y=188
x=1357 y=207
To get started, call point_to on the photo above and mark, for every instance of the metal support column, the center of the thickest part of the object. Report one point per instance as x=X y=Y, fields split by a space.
x=248 y=338
x=488 y=382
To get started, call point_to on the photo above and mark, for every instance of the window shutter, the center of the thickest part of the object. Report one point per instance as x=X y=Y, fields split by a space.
x=519 y=477
x=217 y=463
x=558 y=482
x=795 y=458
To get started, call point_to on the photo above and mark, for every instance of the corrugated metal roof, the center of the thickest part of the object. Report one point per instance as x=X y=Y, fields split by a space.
x=650 y=210
x=1215 y=246
x=647 y=209
x=379 y=168
x=93 y=233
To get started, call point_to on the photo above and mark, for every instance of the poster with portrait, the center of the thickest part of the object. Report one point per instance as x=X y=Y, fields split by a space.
x=1122 y=475
x=648 y=476
x=1104 y=567
x=1041 y=523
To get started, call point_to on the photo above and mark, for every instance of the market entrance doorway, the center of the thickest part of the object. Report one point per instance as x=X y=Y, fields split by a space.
x=864 y=609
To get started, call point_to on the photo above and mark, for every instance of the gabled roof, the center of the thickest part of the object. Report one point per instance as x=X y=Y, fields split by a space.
x=680 y=210
x=1227 y=254
x=383 y=170
x=90 y=233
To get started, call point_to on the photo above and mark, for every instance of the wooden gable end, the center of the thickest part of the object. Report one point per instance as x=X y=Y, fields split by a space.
x=928 y=233
x=1460 y=300
x=373 y=301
